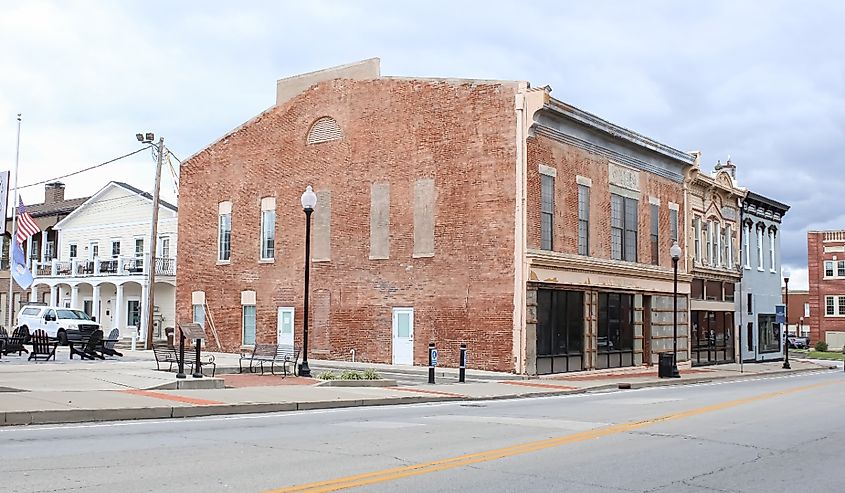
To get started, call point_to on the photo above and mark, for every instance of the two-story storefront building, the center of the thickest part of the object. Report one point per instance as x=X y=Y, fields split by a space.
x=713 y=205
x=826 y=266
x=102 y=265
x=762 y=336
x=448 y=211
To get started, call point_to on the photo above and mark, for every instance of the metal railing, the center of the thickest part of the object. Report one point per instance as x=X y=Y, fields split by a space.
x=119 y=266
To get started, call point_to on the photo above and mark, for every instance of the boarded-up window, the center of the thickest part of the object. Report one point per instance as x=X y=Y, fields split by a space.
x=424 y=197
x=380 y=221
x=323 y=226
x=324 y=129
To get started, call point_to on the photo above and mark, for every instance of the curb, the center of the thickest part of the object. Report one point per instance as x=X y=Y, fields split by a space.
x=60 y=416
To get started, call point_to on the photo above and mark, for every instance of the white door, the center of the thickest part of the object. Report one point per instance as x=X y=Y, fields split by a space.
x=284 y=326
x=403 y=336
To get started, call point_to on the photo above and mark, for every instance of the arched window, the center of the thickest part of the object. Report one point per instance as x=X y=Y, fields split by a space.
x=325 y=129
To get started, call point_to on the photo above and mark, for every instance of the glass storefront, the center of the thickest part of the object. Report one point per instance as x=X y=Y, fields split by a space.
x=768 y=336
x=560 y=331
x=615 y=330
x=712 y=337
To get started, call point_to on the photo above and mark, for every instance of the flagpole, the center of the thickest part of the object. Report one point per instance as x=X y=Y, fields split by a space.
x=11 y=315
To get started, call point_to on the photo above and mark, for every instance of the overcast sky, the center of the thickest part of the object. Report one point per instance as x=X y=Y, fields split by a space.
x=761 y=81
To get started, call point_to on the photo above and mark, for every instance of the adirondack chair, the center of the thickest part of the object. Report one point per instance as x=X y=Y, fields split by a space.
x=108 y=344
x=90 y=349
x=15 y=342
x=42 y=346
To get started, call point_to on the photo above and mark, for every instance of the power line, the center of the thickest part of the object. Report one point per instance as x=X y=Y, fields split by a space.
x=83 y=170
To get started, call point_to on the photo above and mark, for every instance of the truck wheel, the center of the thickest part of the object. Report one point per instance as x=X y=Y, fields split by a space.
x=62 y=338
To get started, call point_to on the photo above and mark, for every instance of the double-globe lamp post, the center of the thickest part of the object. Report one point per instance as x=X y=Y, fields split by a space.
x=786 y=321
x=675 y=252
x=309 y=201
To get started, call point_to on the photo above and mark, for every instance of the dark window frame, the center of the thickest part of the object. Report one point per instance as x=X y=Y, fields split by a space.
x=624 y=227
x=655 y=234
x=547 y=212
x=583 y=220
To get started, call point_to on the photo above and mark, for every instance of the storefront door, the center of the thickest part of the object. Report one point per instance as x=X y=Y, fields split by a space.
x=560 y=331
x=712 y=337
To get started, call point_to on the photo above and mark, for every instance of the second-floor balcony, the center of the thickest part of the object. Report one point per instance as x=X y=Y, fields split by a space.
x=119 y=266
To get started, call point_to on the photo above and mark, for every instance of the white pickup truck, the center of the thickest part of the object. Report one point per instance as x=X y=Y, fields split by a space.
x=61 y=323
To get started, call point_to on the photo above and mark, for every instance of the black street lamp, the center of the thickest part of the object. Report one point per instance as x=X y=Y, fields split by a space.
x=675 y=252
x=309 y=201
x=786 y=322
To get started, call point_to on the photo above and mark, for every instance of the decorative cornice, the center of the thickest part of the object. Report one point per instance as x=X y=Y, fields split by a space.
x=591 y=120
x=608 y=153
x=580 y=263
x=713 y=274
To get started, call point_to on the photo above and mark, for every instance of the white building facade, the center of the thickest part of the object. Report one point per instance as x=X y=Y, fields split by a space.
x=103 y=262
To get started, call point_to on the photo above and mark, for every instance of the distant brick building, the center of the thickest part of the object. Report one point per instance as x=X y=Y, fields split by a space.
x=449 y=211
x=798 y=312
x=826 y=266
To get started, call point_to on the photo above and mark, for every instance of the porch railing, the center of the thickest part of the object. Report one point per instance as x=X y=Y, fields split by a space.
x=119 y=266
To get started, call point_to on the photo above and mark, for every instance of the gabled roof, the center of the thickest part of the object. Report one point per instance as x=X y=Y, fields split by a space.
x=112 y=184
x=55 y=208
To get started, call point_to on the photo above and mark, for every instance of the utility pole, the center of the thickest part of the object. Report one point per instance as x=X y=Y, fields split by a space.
x=153 y=244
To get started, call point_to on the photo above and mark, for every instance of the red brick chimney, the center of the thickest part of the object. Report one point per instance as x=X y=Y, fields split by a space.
x=54 y=192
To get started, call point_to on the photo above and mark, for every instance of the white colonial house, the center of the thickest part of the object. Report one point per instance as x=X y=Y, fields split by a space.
x=103 y=262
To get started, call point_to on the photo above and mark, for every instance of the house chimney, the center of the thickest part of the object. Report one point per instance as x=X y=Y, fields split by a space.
x=54 y=192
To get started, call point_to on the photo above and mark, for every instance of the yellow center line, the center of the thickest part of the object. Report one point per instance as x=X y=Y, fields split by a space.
x=524 y=448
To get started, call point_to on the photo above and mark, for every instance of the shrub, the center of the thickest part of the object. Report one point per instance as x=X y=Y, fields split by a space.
x=350 y=375
x=370 y=374
x=821 y=346
x=326 y=375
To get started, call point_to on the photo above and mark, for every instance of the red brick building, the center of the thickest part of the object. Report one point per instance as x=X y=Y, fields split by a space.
x=826 y=266
x=448 y=211
x=798 y=312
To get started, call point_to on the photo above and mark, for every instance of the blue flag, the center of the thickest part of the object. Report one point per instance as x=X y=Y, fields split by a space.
x=20 y=273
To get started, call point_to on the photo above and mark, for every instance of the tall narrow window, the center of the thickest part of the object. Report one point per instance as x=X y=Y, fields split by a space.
x=617 y=222
x=547 y=211
x=709 y=236
x=829 y=305
x=697 y=222
x=268 y=228
x=115 y=248
x=718 y=247
x=840 y=268
x=224 y=232
x=623 y=228
x=772 y=250
x=163 y=250
x=728 y=245
x=248 y=325
x=583 y=220
x=72 y=253
x=746 y=247
x=841 y=306
x=655 y=236
x=759 y=248
x=139 y=247
x=199 y=315
x=750 y=308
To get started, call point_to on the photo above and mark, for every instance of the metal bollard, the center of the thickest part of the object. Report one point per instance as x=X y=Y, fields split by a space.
x=181 y=373
x=432 y=361
x=462 y=367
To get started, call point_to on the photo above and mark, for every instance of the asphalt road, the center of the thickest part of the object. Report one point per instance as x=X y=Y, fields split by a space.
x=767 y=435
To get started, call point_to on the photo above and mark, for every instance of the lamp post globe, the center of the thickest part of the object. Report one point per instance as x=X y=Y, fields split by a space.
x=786 y=365
x=309 y=202
x=675 y=252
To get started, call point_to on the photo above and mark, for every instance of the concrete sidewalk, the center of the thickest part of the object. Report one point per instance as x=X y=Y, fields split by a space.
x=71 y=391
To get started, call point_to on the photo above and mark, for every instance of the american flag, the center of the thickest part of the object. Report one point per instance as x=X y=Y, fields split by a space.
x=26 y=225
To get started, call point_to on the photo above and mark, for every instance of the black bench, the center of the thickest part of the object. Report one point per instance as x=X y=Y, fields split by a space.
x=270 y=353
x=165 y=354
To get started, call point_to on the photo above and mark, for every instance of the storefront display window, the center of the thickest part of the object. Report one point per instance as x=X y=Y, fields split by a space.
x=769 y=333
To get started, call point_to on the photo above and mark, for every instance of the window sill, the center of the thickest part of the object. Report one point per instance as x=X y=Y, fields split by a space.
x=320 y=260
x=224 y=262
x=266 y=261
x=429 y=255
x=378 y=258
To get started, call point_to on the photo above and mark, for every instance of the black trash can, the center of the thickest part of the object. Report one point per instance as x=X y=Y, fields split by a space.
x=664 y=365
x=169 y=331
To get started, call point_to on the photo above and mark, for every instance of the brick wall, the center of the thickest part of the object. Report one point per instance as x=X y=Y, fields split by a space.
x=569 y=162
x=820 y=287
x=396 y=132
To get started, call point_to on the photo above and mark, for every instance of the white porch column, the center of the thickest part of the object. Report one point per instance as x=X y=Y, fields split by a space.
x=33 y=293
x=43 y=255
x=53 y=292
x=95 y=309
x=28 y=251
x=74 y=296
x=118 y=306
